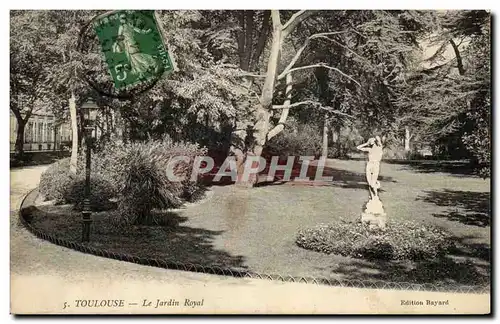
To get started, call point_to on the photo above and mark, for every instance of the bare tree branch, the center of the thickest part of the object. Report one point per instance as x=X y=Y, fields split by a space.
x=344 y=46
x=313 y=103
x=356 y=31
x=273 y=60
x=252 y=75
x=294 y=60
x=295 y=20
x=461 y=40
x=334 y=111
x=296 y=104
x=299 y=52
x=16 y=112
x=460 y=64
x=284 y=113
x=323 y=65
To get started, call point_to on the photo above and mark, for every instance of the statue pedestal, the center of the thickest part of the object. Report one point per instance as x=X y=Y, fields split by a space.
x=374 y=214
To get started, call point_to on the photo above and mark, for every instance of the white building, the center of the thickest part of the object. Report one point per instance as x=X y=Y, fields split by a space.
x=41 y=133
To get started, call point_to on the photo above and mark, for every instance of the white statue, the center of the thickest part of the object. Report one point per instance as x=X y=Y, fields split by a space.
x=374 y=212
x=375 y=151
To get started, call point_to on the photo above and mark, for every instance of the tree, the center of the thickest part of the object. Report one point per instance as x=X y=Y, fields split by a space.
x=221 y=78
x=46 y=67
x=376 y=48
x=68 y=65
x=254 y=127
x=223 y=85
x=324 y=150
x=450 y=100
x=29 y=69
x=193 y=103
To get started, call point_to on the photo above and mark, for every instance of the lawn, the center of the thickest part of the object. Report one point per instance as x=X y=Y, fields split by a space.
x=255 y=229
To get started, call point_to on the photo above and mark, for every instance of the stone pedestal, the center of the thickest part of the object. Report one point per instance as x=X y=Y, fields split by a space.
x=374 y=214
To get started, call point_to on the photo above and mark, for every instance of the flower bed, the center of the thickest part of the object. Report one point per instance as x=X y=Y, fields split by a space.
x=399 y=241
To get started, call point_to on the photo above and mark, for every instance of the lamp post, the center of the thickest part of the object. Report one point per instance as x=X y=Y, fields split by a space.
x=90 y=112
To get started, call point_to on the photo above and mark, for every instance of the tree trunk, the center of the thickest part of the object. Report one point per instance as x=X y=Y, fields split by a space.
x=335 y=135
x=460 y=65
x=261 y=42
x=21 y=125
x=74 y=134
x=249 y=29
x=407 y=140
x=239 y=145
x=80 y=120
x=325 y=138
x=248 y=140
x=336 y=141
x=54 y=131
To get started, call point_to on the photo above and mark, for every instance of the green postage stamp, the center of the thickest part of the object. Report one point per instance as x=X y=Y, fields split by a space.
x=133 y=47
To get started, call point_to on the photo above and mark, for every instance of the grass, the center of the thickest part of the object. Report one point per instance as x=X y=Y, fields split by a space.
x=256 y=229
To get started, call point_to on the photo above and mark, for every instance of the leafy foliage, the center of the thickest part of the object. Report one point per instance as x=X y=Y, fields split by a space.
x=448 y=101
x=296 y=140
x=138 y=172
x=347 y=138
x=57 y=184
x=29 y=68
x=46 y=66
x=135 y=174
x=196 y=102
x=399 y=241
x=376 y=48
x=375 y=76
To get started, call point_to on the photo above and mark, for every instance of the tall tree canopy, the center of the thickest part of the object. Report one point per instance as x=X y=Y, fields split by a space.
x=241 y=74
x=30 y=70
x=449 y=101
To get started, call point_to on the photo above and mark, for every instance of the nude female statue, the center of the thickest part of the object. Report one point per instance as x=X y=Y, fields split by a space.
x=374 y=149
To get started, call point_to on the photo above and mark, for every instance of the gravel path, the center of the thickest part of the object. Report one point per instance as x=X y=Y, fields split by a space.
x=45 y=276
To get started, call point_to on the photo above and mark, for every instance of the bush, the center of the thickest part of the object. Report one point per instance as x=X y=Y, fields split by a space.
x=193 y=191
x=395 y=151
x=134 y=173
x=138 y=171
x=100 y=192
x=296 y=140
x=485 y=172
x=54 y=181
x=57 y=184
x=399 y=241
x=345 y=140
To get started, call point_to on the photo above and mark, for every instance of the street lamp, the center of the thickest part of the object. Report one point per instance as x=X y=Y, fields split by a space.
x=90 y=114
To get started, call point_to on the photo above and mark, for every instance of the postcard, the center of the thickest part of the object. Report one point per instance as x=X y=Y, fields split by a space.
x=250 y=162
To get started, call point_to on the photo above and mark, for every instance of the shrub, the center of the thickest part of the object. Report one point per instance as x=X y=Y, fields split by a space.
x=399 y=241
x=395 y=151
x=100 y=192
x=57 y=184
x=134 y=173
x=54 y=181
x=138 y=171
x=344 y=141
x=193 y=191
x=296 y=140
x=485 y=172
